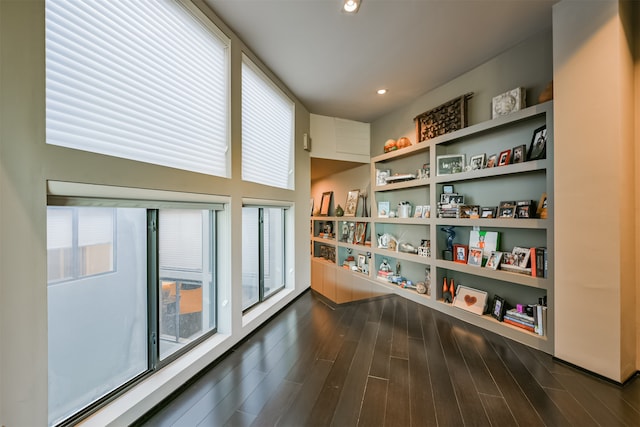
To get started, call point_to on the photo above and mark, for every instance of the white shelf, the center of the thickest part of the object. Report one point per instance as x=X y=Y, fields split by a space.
x=498 y=171
x=504 y=276
x=480 y=184
x=413 y=183
x=416 y=221
x=402 y=255
x=486 y=223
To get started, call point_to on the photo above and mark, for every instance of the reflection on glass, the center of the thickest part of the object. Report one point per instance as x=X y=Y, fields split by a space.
x=186 y=287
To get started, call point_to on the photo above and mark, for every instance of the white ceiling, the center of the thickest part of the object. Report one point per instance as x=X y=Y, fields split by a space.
x=334 y=62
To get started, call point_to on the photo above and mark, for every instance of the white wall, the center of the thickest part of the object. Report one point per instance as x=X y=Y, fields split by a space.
x=526 y=65
x=594 y=116
x=26 y=163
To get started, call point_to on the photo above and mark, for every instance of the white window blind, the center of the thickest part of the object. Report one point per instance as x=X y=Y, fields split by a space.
x=180 y=239
x=59 y=228
x=267 y=130
x=95 y=226
x=139 y=79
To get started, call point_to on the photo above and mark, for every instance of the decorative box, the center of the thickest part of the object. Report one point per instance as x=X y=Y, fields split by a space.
x=508 y=102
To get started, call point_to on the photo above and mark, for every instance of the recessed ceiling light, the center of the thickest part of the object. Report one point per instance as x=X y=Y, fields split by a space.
x=382 y=91
x=351 y=6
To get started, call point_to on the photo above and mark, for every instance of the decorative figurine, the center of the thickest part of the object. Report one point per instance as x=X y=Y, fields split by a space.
x=427 y=280
x=447 y=254
x=339 y=211
x=446 y=295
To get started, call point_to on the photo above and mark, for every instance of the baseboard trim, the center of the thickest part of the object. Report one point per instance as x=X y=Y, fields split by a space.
x=632 y=377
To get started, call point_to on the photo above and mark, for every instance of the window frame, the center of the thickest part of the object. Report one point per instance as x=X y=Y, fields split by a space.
x=261 y=280
x=152 y=207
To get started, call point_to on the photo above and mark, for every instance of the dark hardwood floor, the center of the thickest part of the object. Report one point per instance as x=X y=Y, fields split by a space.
x=391 y=362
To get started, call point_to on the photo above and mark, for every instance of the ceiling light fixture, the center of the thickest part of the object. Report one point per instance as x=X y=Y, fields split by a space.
x=351 y=6
x=382 y=91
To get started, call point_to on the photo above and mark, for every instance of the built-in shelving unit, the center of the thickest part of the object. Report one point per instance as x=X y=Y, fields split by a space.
x=482 y=187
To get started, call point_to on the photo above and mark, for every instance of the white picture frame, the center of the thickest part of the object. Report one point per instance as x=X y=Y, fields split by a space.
x=351 y=206
x=449 y=164
x=383 y=209
x=470 y=299
x=477 y=162
x=493 y=262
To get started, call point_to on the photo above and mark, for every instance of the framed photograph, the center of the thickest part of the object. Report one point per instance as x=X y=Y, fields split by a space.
x=523 y=211
x=331 y=253
x=488 y=211
x=426 y=211
x=383 y=209
x=475 y=257
x=457 y=199
x=492 y=161
x=447 y=189
x=361 y=233
x=477 y=162
x=469 y=211
x=508 y=258
x=498 y=308
x=470 y=299
x=519 y=153
x=352 y=203
x=521 y=256
x=542 y=206
x=504 y=158
x=345 y=232
x=507 y=211
x=325 y=202
x=450 y=163
x=417 y=212
x=323 y=251
x=445 y=197
x=538 y=147
x=460 y=253
x=493 y=262
x=381 y=176
x=362 y=262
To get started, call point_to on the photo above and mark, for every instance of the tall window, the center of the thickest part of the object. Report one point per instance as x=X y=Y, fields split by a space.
x=267 y=130
x=263 y=253
x=141 y=290
x=145 y=80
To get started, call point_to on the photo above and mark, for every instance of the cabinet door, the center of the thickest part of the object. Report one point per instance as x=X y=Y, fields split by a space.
x=344 y=284
x=317 y=271
x=329 y=282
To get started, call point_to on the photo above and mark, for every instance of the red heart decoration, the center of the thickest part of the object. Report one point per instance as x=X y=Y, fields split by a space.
x=470 y=300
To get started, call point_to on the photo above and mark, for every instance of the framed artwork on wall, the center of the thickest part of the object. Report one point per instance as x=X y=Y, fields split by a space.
x=325 y=202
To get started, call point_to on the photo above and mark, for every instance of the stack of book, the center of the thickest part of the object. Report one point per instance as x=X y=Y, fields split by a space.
x=521 y=320
x=448 y=210
x=536 y=323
